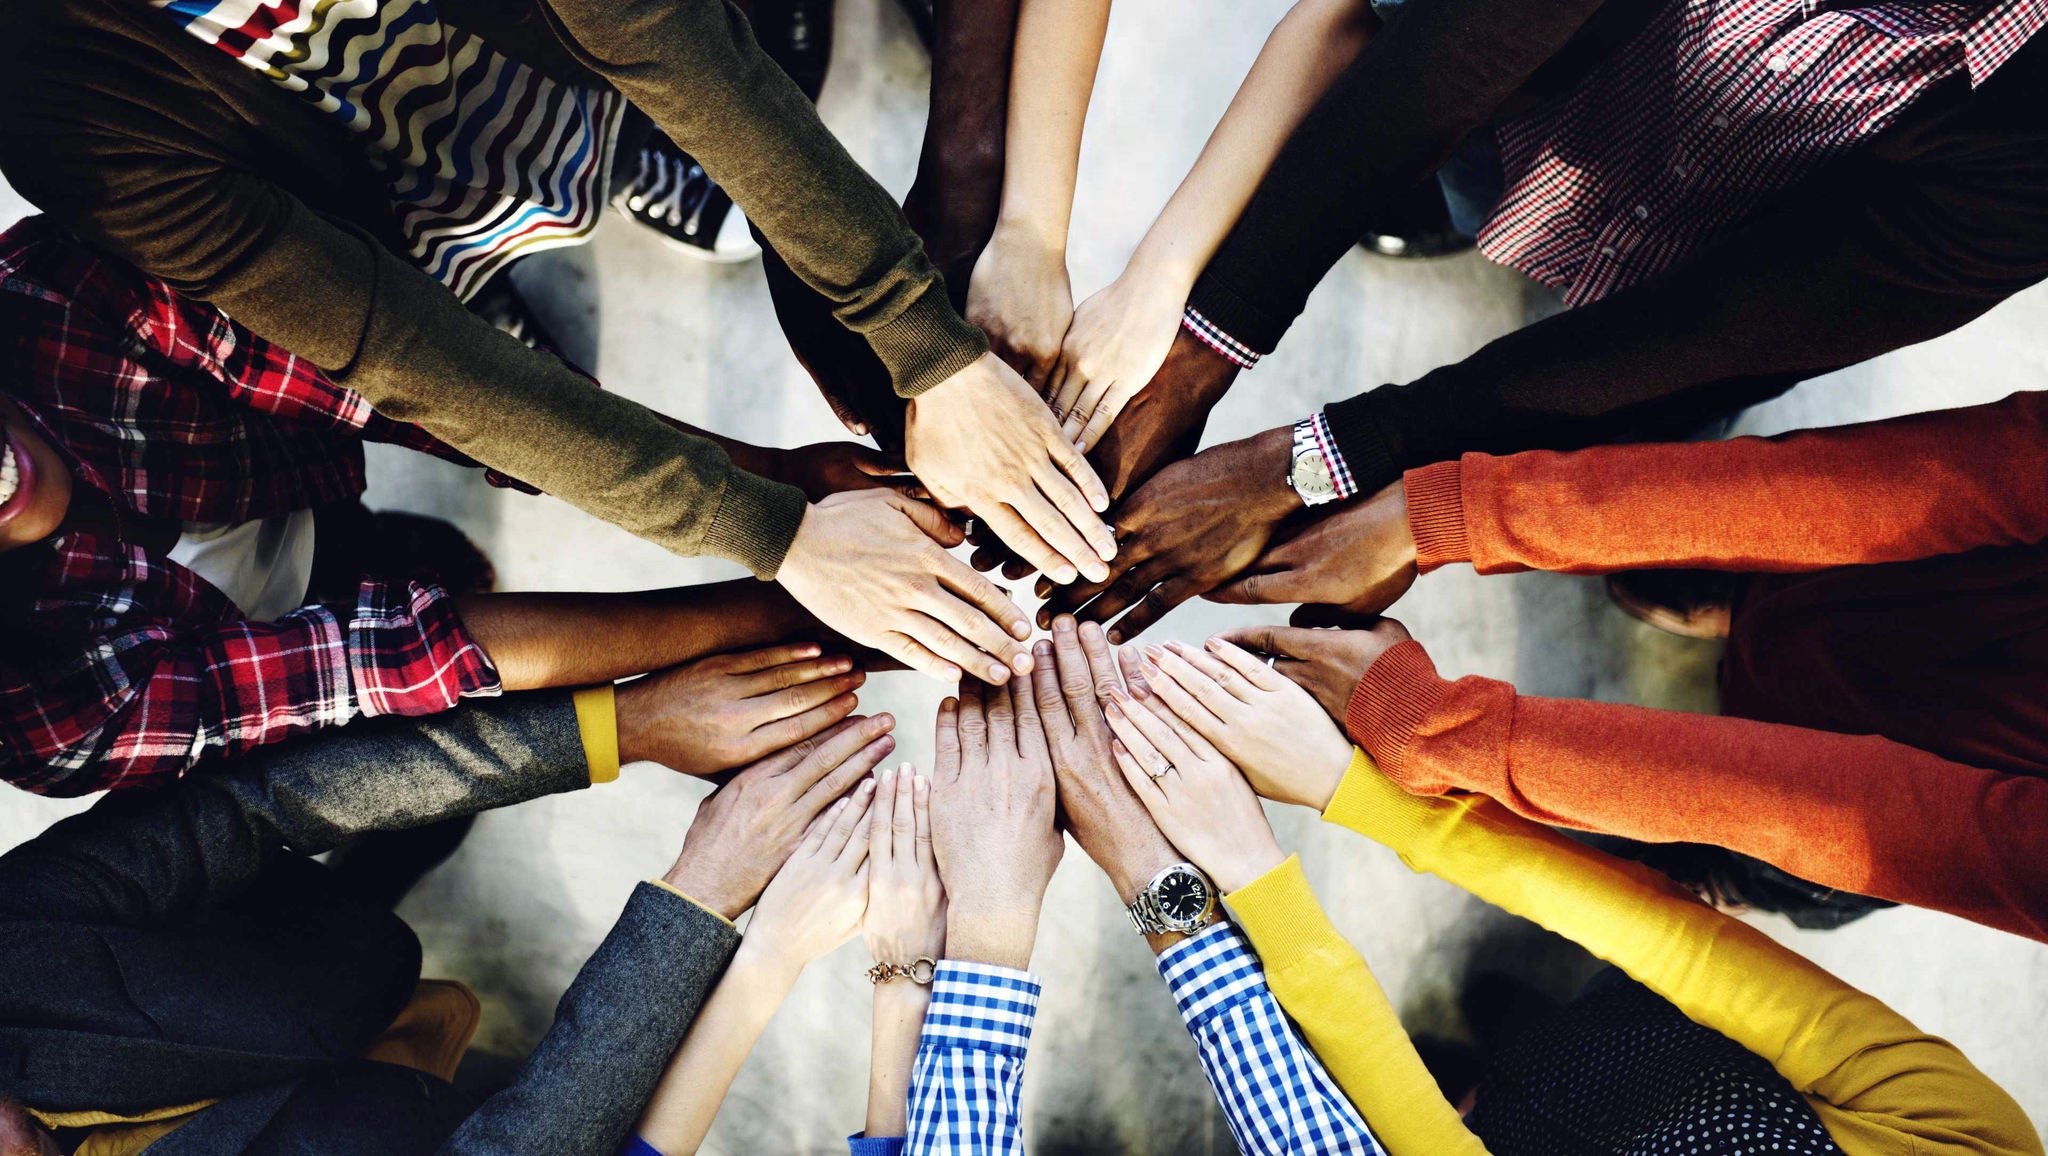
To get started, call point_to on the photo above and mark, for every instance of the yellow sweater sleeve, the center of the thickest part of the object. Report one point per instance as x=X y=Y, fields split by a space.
x=1325 y=988
x=1879 y=1084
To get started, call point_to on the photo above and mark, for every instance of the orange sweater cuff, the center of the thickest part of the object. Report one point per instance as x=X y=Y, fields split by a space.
x=1389 y=705
x=1436 y=515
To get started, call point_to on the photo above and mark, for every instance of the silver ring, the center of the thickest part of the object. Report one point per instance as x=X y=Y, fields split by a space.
x=1159 y=769
x=1270 y=660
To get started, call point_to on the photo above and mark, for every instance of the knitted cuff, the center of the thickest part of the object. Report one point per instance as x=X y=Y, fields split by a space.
x=927 y=343
x=1355 y=428
x=1249 y=325
x=756 y=521
x=1389 y=705
x=1436 y=515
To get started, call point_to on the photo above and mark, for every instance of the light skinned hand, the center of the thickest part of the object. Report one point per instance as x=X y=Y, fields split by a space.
x=728 y=710
x=1119 y=338
x=746 y=829
x=906 y=919
x=1074 y=675
x=816 y=901
x=1199 y=798
x=1359 y=558
x=1020 y=296
x=993 y=799
x=1281 y=738
x=872 y=565
x=983 y=441
x=1325 y=663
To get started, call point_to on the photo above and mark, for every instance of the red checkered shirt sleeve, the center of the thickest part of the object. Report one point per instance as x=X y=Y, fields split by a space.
x=146 y=702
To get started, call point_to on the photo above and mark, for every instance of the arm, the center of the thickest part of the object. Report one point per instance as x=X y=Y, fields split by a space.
x=1019 y=292
x=695 y=68
x=1856 y=812
x=906 y=923
x=1877 y=1081
x=1121 y=335
x=1888 y=491
x=813 y=905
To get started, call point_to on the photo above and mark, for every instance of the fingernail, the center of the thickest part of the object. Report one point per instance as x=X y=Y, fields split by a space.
x=1105 y=548
x=951 y=673
x=1177 y=647
x=1042 y=648
x=1214 y=645
x=884 y=721
x=1138 y=691
x=1116 y=636
x=1020 y=630
x=1152 y=651
x=1021 y=664
x=1064 y=575
x=867 y=787
x=860 y=429
x=1064 y=624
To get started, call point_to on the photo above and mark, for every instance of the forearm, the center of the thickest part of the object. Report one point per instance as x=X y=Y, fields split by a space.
x=1059 y=45
x=1855 y=812
x=899 y=1019
x=1309 y=49
x=1876 y=1080
x=542 y=640
x=958 y=190
x=1888 y=491
x=697 y=1079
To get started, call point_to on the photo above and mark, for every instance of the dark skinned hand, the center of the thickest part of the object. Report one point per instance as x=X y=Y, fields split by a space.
x=824 y=468
x=1193 y=527
x=1359 y=558
x=1163 y=423
x=1325 y=663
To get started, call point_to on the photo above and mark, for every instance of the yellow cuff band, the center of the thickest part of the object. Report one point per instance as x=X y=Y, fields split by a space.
x=597 y=719
x=671 y=888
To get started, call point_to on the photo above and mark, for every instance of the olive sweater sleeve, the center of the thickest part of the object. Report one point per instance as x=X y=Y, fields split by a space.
x=695 y=68
x=1878 y=1083
x=1325 y=987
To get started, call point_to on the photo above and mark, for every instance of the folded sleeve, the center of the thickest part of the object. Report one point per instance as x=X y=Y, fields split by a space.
x=967 y=1082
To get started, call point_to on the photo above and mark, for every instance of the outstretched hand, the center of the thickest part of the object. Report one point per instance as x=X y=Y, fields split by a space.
x=1358 y=558
x=873 y=566
x=906 y=919
x=725 y=711
x=1325 y=663
x=816 y=901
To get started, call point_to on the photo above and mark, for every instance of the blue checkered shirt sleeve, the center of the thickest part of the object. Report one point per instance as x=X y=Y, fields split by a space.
x=1274 y=1091
x=965 y=1085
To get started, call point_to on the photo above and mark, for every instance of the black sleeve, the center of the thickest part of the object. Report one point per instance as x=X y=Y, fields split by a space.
x=1920 y=231
x=1434 y=74
x=152 y=858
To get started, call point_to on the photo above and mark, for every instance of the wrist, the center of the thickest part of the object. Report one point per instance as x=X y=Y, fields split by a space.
x=636 y=743
x=1002 y=938
x=708 y=887
x=763 y=958
x=1161 y=272
x=1237 y=871
x=1040 y=235
x=1269 y=457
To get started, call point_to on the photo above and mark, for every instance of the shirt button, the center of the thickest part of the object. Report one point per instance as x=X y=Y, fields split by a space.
x=1778 y=63
x=1720 y=120
x=1642 y=212
x=1607 y=250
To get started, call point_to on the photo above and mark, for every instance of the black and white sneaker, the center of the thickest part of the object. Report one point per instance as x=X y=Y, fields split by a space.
x=670 y=193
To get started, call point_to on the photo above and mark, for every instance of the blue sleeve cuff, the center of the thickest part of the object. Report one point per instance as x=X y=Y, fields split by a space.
x=1210 y=972
x=977 y=1005
x=635 y=1146
x=862 y=1144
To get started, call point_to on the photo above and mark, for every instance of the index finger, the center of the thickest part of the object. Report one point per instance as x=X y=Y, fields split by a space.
x=1074 y=464
x=1030 y=734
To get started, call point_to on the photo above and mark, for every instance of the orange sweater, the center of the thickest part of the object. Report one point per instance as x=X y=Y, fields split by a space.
x=1887 y=491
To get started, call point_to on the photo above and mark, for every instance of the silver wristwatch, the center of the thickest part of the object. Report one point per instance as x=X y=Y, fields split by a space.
x=1179 y=898
x=1309 y=471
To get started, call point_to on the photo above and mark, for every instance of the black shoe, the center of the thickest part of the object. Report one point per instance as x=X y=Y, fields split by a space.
x=1418 y=226
x=665 y=189
x=797 y=34
x=502 y=304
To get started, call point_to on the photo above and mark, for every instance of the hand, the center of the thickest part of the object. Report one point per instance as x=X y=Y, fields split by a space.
x=1195 y=526
x=1359 y=558
x=815 y=903
x=1071 y=678
x=992 y=823
x=1020 y=297
x=1198 y=797
x=721 y=712
x=1118 y=341
x=747 y=828
x=1163 y=423
x=822 y=469
x=1325 y=663
x=873 y=566
x=982 y=441
x=1272 y=729
x=906 y=918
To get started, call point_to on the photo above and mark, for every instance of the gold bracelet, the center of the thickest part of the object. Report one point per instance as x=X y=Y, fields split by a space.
x=919 y=971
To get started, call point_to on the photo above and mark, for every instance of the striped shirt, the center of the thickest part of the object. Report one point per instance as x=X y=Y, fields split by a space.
x=966 y=1084
x=486 y=159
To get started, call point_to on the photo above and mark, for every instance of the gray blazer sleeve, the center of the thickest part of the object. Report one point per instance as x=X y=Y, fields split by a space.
x=146 y=858
x=616 y=1028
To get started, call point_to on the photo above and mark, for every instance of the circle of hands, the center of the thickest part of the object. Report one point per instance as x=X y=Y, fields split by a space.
x=1146 y=756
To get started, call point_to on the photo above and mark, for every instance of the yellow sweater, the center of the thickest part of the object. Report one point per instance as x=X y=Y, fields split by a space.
x=1879 y=1084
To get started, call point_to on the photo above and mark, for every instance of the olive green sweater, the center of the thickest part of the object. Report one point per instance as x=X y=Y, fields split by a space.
x=165 y=151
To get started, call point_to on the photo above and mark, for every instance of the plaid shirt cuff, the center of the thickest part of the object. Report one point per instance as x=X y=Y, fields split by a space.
x=1333 y=458
x=967 y=1083
x=979 y=1005
x=1275 y=1094
x=1230 y=348
x=409 y=654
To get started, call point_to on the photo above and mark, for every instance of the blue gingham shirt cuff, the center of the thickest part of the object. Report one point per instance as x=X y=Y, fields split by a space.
x=1275 y=1094
x=968 y=1079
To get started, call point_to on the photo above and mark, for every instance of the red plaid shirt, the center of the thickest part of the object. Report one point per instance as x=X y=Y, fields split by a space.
x=121 y=668
x=1714 y=107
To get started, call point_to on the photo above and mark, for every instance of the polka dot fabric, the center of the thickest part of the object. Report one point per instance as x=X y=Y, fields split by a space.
x=1620 y=1072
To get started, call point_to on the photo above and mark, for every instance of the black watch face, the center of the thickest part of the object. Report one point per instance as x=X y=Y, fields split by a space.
x=1182 y=897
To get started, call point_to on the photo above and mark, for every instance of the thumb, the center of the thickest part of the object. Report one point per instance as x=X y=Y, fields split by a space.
x=1285 y=641
x=930 y=519
x=875 y=463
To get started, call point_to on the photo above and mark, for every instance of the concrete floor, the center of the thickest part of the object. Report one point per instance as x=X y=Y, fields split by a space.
x=535 y=888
